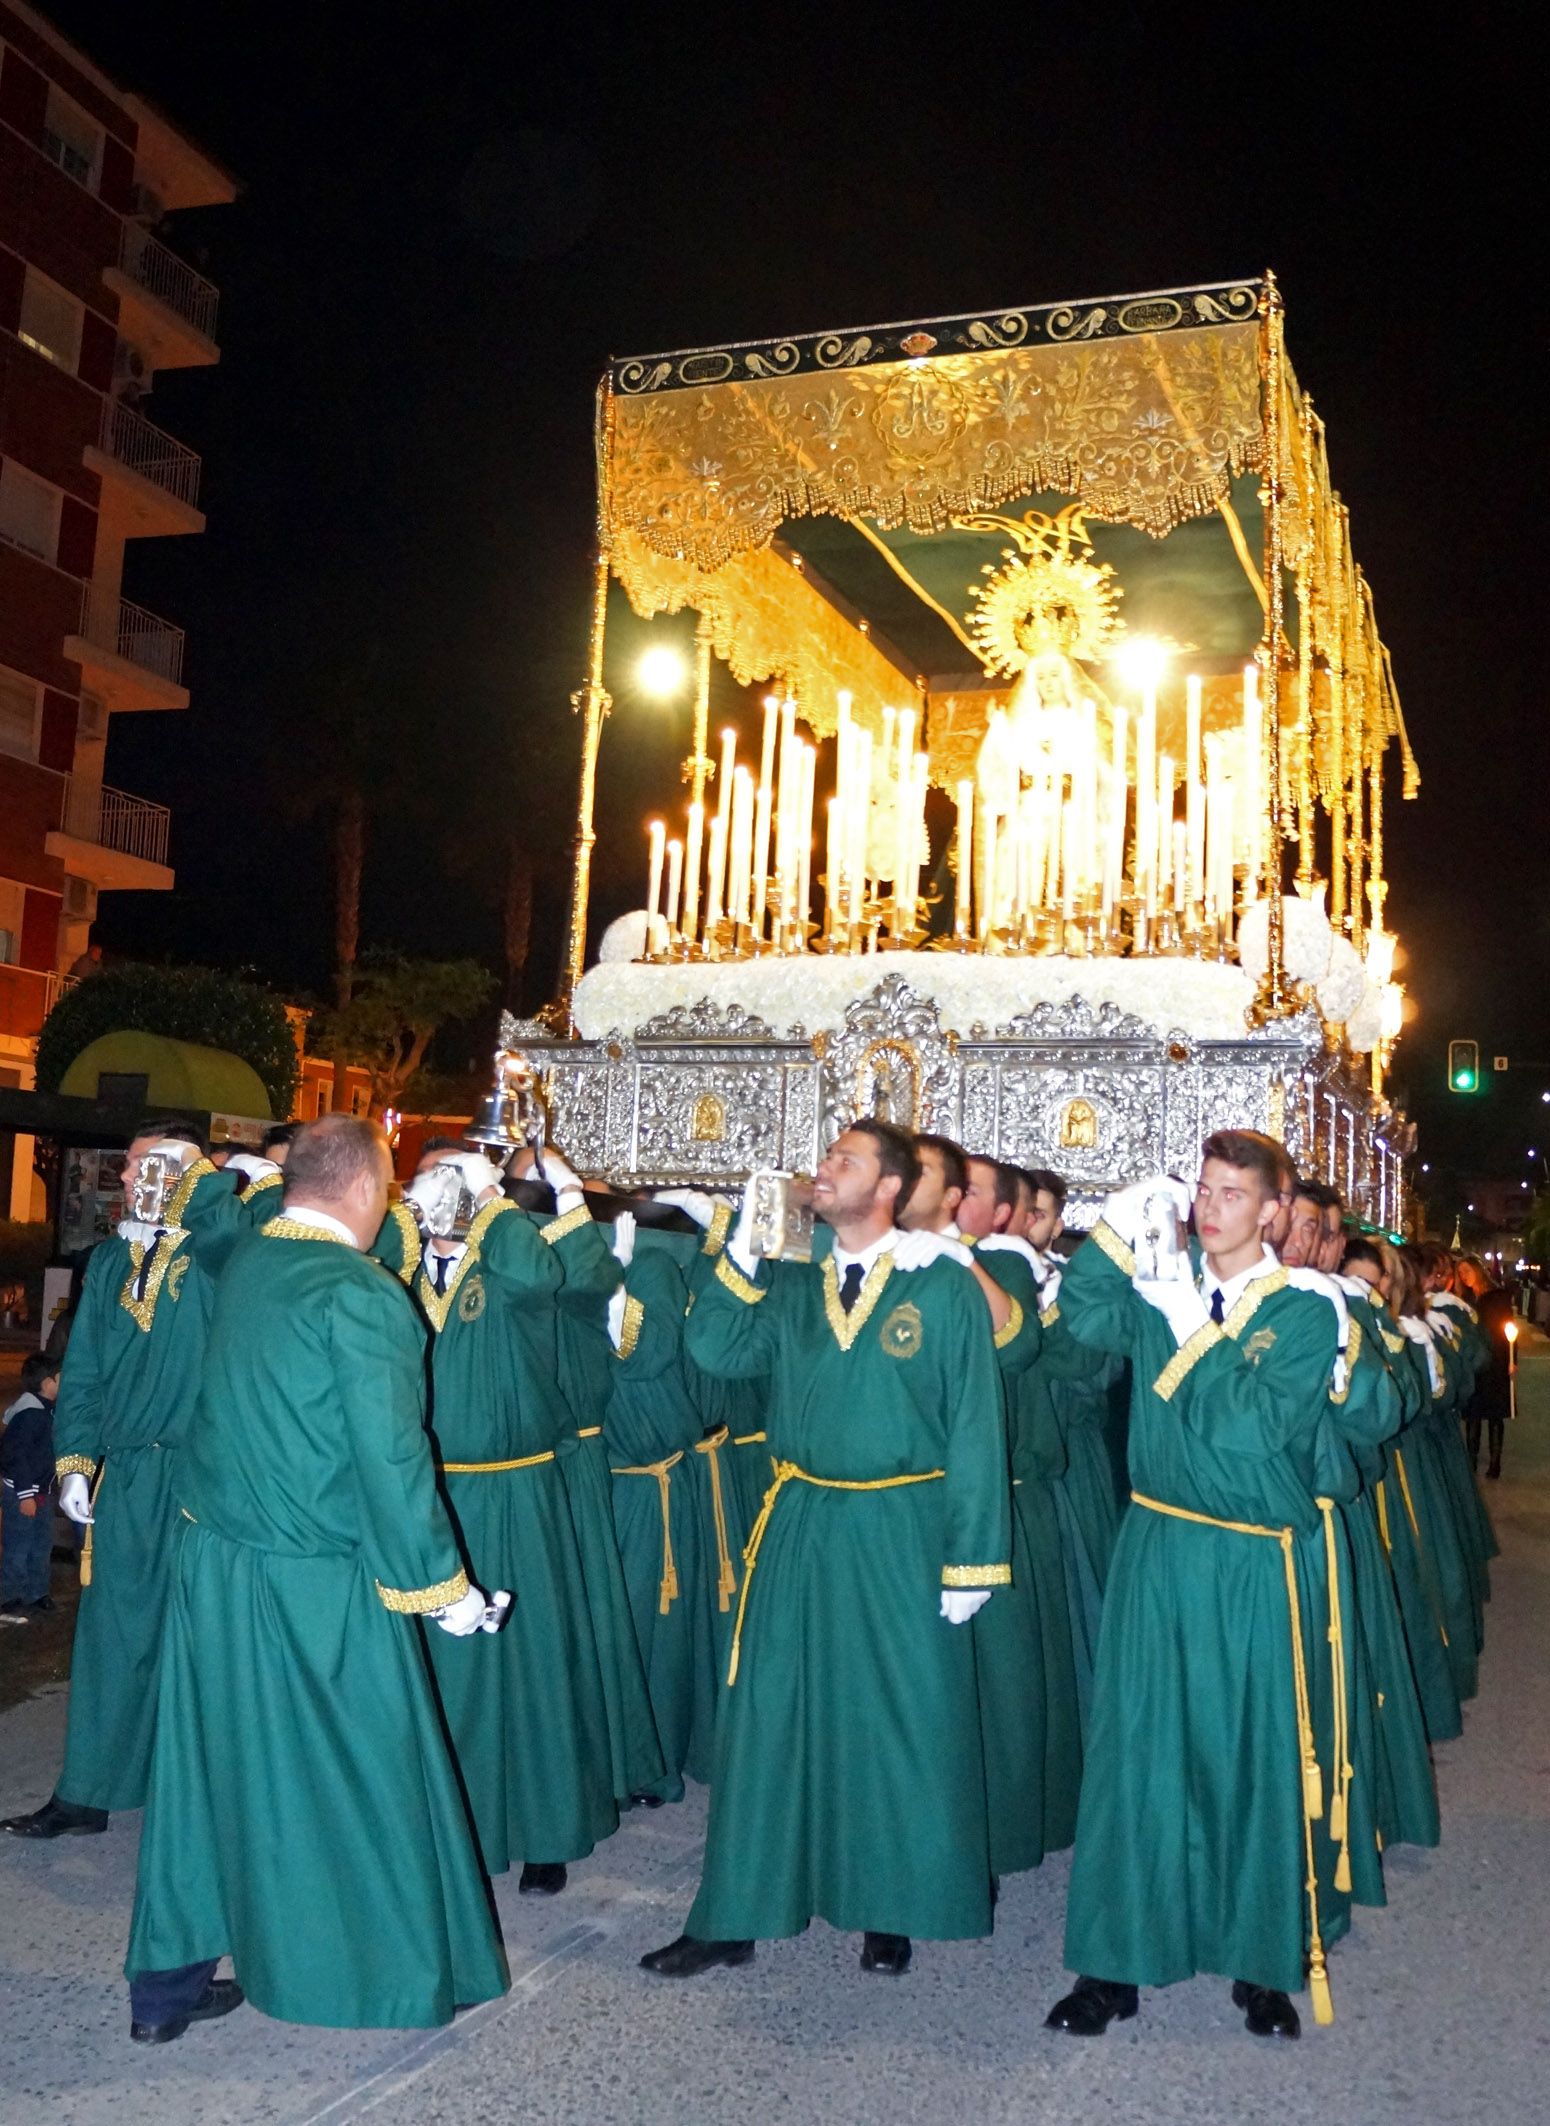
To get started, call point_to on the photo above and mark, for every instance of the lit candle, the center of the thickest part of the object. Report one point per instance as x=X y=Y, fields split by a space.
x=789 y=788
x=1114 y=865
x=834 y=821
x=1068 y=830
x=1195 y=795
x=740 y=848
x=987 y=842
x=965 y=856
x=724 y=815
x=761 y=854
x=1146 y=800
x=692 y=850
x=860 y=820
x=1087 y=847
x=716 y=871
x=658 y=834
x=1253 y=795
x=1162 y=883
x=808 y=758
x=1180 y=865
x=675 y=873
x=767 y=745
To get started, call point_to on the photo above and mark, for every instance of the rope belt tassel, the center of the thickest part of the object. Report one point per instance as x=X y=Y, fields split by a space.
x=1312 y=1777
x=726 y=1578
x=668 y=1592
x=1340 y=1800
x=785 y=1473
x=86 y=1546
x=523 y=1461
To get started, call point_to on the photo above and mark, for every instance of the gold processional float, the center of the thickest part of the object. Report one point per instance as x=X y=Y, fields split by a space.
x=1070 y=664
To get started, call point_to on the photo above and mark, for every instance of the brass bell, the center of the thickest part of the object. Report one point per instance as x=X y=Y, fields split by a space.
x=497 y=1120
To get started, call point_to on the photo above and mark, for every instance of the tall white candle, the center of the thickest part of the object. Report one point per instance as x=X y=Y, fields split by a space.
x=724 y=815
x=1146 y=800
x=860 y=821
x=964 y=900
x=1114 y=865
x=1163 y=878
x=1194 y=794
x=658 y=833
x=715 y=873
x=987 y=842
x=675 y=873
x=740 y=853
x=761 y=854
x=692 y=855
x=807 y=757
x=834 y=900
x=1251 y=790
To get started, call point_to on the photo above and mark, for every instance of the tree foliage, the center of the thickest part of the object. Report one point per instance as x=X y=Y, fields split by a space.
x=183 y=1003
x=398 y=1006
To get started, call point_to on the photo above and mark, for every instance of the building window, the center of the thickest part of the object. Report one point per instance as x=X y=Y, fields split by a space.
x=18 y=715
x=29 y=512
x=71 y=140
x=13 y=904
x=51 y=321
x=360 y=1100
x=325 y=1096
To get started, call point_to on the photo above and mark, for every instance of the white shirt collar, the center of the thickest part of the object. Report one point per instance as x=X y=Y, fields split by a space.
x=1233 y=1288
x=867 y=1256
x=307 y=1214
x=430 y=1256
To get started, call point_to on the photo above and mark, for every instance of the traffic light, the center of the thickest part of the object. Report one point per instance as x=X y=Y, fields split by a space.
x=1463 y=1066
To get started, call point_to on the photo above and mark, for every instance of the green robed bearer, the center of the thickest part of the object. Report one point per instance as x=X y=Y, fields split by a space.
x=849 y=1777
x=305 y=1815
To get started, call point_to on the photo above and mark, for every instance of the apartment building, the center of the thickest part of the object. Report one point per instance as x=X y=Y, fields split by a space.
x=94 y=301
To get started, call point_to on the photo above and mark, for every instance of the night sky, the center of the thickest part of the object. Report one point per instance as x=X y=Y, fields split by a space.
x=450 y=218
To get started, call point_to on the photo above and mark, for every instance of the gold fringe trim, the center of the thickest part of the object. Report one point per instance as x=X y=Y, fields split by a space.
x=976 y=1575
x=1051 y=1315
x=847 y=1327
x=1353 y=1352
x=74 y=1464
x=1242 y=1313
x=412 y=1239
x=419 y=1601
x=716 y=1232
x=286 y=1228
x=1187 y=1357
x=1118 y=1251
x=736 y=1283
x=178 y=1201
x=629 y=1328
x=1014 y=1324
x=568 y=1222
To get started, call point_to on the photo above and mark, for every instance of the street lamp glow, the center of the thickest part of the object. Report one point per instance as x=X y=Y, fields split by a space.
x=1142 y=662
x=661 y=672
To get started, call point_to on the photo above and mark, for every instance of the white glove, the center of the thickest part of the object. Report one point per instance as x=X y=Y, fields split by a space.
x=480 y=1178
x=1418 y=1331
x=1179 y=1304
x=961 y=1603
x=175 y=1148
x=563 y=1179
x=463 y=1616
x=1049 y=1291
x=740 y=1239
x=249 y=1163
x=1124 y=1210
x=616 y=1304
x=495 y=1613
x=75 y=1499
x=916 y=1251
x=623 y=1241
x=1012 y=1244
x=700 y=1207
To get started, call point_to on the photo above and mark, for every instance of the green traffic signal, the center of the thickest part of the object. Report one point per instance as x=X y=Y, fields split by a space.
x=1463 y=1066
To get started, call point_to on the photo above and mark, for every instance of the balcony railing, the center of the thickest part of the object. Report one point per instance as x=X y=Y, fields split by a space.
x=129 y=631
x=54 y=988
x=115 y=820
x=169 y=278
x=147 y=450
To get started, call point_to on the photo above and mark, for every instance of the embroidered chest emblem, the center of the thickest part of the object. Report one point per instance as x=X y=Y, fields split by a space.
x=175 y=1277
x=1255 y=1346
x=900 y=1335
x=167 y=1268
x=470 y=1301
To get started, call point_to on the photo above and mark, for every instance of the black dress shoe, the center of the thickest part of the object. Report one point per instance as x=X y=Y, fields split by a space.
x=1090 y=2007
x=646 y=1801
x=1266 y=2013
x=46 y=1604
x=542 y=1878
x=56 y=1819
x=688 y=1957
x=886 y=1952
x=218 y=1998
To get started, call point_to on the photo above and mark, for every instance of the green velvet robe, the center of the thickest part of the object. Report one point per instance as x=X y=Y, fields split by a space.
x=525 y=1706
x=304 y=1812
x=1190 y=1848
x=849 y=1779
x=664 y=1520
x=127 y=1392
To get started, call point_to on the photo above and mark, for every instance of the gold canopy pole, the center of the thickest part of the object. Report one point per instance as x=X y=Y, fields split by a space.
x=1305 y=570
x=698 y=768
x=1271 y=1000
x=592 y=703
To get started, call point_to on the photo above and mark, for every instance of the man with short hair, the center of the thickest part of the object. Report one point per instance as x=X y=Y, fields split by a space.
x=849 y=1779
x=304 y=1814
x=127 y=1391
x=1196 y=1843
x=1046 y=1212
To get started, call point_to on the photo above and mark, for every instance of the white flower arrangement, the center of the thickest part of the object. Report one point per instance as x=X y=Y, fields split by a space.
x=1364 y=1028
x=1344 y=985
x=811 y=991
x=1306 y=939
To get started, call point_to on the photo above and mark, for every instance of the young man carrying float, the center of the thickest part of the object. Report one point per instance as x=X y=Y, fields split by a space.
x=849 y=1780
x=1200 y=1836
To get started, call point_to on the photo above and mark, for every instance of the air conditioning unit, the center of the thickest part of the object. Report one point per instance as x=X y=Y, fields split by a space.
x=144 y=204
x=80 y=902
x=132 y=372
x=92 y=721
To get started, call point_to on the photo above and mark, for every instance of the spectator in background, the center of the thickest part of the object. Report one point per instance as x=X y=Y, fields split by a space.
x=27 y=1491
x=1491 y=1400
x=277 y=1141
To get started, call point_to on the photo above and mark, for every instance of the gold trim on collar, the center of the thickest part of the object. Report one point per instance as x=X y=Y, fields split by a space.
x=716 y=1232
x=410 y=1236
x=1119 y=1252
x=177 y=1202
x=737 y=1284
x=285 y=1228
x=143 y=1310
x=1247 y=1305
x=417 y=1601
x=847 y=1327
x=256 y=1188
x=1185 y=1358
x=976 y=1576
x=1014 y=1324
x=560 y=1228
x=629 y=1328
x=1051 y=1315
x=438 y=1306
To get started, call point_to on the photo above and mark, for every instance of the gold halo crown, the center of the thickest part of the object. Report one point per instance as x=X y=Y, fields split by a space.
x=1043 y=603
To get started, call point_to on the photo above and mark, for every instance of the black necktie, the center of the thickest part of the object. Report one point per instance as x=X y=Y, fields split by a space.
x=850 y=1285
x=440 y=1264
x=1216 y=1304
x=145 y=1263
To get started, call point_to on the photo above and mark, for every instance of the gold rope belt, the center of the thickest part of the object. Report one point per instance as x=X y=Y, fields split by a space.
x=590 y=1432
x=1312 y=1776
x=726 y=1578
x=668 y=1593
x=523 y=1461
x=784 y=1472
x=1415 y=1526
x=1383 y=1516
x=86 y=1546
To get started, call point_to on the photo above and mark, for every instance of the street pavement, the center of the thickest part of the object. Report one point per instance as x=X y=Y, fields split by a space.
x=1440 y=2000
